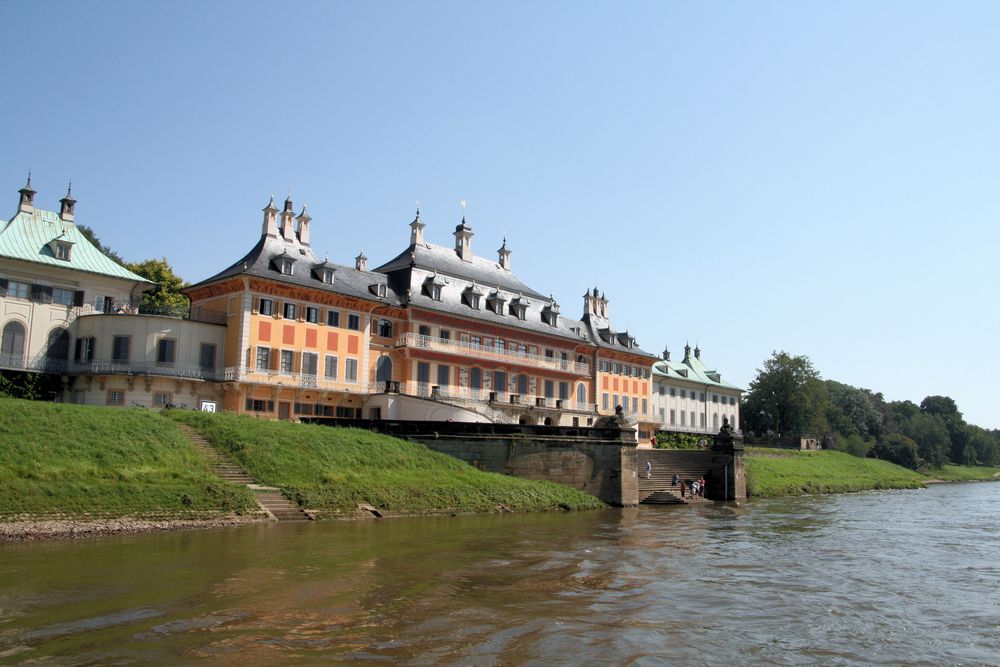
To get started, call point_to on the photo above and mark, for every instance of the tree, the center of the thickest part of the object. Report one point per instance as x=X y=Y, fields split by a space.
x=945 y=408
x=853 y=411
x=930 y=434
x=786 y=397
x=165 y=298
x=89 y=234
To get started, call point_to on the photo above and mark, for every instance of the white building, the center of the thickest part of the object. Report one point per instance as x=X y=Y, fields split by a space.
x=688 y=397
x=68 y=310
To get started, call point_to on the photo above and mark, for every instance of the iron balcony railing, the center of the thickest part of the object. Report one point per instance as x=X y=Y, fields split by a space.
x=39 y=363
x=119 y=367
x=292 y=379
x=493 y=353
x=465 y=394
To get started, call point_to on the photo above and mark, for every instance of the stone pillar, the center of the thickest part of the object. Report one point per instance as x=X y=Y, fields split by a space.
x=729 y=480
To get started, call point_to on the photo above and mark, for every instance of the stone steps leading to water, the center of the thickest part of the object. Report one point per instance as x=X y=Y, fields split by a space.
x=268 y=498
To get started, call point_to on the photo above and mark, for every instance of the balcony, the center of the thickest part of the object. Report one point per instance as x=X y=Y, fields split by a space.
x=491 y=353
x=292 y=379
x=115 y=367
x=465 y=395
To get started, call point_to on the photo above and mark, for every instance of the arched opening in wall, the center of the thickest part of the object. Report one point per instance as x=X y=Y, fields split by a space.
x=581 y=395
x=12 y=344
x=548 y=421
x=58 y=345
x=715 y=421
x=383 y=369
x=524 y=420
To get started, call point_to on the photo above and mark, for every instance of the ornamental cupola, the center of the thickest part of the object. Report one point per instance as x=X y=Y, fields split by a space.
x=270 y=227
x=417 y=230
x=304 y=219
x=67 y=204
x=504 y=254
x=287 y=220
x=463 y=240
x=361 y=262
x=27 y=203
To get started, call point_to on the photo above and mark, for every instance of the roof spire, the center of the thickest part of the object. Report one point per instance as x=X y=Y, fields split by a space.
x=27 y=203
x=417 y=229
x=66 y=204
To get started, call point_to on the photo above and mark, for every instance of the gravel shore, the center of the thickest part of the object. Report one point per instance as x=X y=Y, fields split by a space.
x=28 y=530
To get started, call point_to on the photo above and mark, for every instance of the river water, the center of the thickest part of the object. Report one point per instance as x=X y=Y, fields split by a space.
x=875 y=578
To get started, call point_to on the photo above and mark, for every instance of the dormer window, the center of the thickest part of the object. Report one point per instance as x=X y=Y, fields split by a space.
x=286 y=266
x=63 y=251
x=382 y=291
x=436 y=292
x=519 y=307
x=473 y=296
x=474 y=301
x=495 y=302
x=550 y=314
x=433 y=285
x=328 y=276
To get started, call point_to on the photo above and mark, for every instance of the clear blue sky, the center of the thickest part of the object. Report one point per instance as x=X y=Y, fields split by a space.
x=820 y=178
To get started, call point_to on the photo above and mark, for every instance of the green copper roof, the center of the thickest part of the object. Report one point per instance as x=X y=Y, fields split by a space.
x=696 y=372
x=27 y=236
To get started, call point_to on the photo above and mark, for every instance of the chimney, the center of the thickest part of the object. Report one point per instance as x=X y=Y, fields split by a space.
x=590 y=303
x=504 y=253
x=287 y=216
x=603 y=303
x=66 y=205
x=687 y=353
x=697 y=352
x=27 y=203
x=270 y=227
x=361 y=262
x=463 y=240
x=417 y=230
x=304 y=219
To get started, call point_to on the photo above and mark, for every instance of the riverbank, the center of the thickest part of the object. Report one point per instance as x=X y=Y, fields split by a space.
x=787 y=472
x=951 y=473
x=72 y=470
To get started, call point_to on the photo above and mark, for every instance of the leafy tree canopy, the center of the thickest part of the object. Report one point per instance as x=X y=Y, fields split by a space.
x=165 y=298
x=786 y=397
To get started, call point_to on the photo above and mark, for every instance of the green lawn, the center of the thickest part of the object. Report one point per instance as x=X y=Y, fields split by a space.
x=332 y=470
x=110 y=462
x=785 y=472
x=950 y=473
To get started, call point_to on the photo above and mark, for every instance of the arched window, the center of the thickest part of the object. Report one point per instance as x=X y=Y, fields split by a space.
x=522 y=384
x=58 y=347
x=383 y=369
x=12 y=344
x=581 y=394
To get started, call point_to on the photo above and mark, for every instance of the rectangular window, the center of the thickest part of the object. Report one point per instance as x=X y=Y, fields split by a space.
x=703 y=420
x=263 y=358
x=310 y=360
x=116 y=397
x=333 y=318
x=259 y=405
x=549 y=389
x=732 y=400
x=19 y=290
x=444 y=375
x=120 y=348
x=330 y=370
x=635 y=404
x=549 y=354
x=702 y=397
x=166 y=351
x=312 y=314
x=645 y=406
x=162 y=400
x=615 y=402
x=663 y=390
x=351 y=370
x=683 y=393
x=62 y=296
x=445 y=334
x=673 y=417
x=564 y=390
x=604 y=401
x=265 y=307
x=289 y=311
x=616 y=369
x=692 y=419
x=353 y=322
x=673 y=391
x=206 y=355
x=287 y=361
x=385 y=328
x=683 y=418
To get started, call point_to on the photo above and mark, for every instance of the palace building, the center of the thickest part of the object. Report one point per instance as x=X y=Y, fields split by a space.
x=689 y=397
x=435 y=333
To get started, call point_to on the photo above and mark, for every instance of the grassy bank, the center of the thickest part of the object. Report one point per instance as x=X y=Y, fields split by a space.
x=80 y=461
x=950 y=473
x=332 y=470
x=784 y=472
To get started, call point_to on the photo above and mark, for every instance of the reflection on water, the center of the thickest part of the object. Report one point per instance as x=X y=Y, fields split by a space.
x=884 y=577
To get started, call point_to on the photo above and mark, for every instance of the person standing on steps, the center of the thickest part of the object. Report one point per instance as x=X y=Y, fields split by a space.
x=673 y=482
x=649 y=469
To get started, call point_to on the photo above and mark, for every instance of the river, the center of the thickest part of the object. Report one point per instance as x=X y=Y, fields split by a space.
x=874 y=578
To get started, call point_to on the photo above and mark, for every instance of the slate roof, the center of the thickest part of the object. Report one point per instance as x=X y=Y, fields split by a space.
x=262 y=258
x=27 y=236
x=697 y=372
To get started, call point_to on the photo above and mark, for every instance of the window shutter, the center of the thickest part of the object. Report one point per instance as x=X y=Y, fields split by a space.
x=275 y=359
x=78 y=298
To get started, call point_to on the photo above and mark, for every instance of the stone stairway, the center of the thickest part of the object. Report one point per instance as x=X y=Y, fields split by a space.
x=268 y=497
x=657 y=488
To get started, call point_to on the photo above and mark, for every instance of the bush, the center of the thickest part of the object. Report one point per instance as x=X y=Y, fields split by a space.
x=678 y=441
x=898 y=449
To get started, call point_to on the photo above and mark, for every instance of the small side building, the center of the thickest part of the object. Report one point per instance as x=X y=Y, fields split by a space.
x=690 y=397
